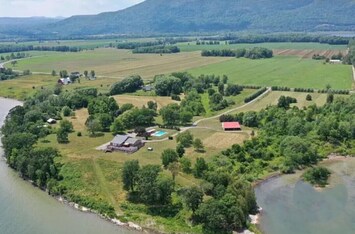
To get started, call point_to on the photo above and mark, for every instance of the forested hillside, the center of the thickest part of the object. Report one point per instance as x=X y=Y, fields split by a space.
x=183 y=16
x=23 y=26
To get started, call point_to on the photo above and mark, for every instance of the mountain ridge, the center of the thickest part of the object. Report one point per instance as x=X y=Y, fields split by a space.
x=205 y=16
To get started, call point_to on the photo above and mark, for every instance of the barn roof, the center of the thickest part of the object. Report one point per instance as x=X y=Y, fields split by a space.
x=231 y=125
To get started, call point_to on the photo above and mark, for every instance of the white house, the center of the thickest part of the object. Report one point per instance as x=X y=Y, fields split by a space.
x=64 y=81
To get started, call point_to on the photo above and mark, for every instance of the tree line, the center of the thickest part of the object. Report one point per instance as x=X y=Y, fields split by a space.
x=164 y=49
x=253 y=53
x=8 y=74
x=19 y=48
x=234 y=39
x=350 y=57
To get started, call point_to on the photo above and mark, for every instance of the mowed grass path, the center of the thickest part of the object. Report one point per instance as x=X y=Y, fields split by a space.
x=116 y=63
x=191 y=46
x=287 y=71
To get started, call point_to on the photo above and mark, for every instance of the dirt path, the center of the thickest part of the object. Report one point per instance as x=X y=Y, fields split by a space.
x=234 y=109
x=102 y=182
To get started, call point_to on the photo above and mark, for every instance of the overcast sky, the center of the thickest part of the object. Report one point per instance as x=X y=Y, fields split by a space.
x=54 y=8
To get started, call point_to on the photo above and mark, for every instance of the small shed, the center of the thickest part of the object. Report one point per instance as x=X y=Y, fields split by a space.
x=148 y=88
x=64 y=81
x=335 y=61
x=231 y=126
x=51 y=121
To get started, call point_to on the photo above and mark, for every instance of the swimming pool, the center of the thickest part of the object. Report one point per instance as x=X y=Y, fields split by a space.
x=159 y=134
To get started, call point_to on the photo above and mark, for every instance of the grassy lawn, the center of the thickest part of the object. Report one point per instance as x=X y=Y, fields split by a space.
x=287 y=71
x=22 y=87
x=116 y=63
x=191 y=46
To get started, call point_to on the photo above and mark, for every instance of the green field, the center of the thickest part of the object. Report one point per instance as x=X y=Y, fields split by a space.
x=114 y=63
x=191 y=46
x=287 y=71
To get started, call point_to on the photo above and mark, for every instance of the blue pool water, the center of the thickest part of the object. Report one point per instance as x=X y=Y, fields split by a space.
x=159 y=133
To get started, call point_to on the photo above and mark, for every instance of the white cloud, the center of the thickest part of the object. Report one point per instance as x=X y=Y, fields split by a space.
x=53 y=8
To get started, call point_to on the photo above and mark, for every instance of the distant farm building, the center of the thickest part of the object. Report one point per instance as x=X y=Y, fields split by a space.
x=64 y=81
x=148 y=88
x=125 y=144
x=335 y=61
x=51 y=121
x=231 y=126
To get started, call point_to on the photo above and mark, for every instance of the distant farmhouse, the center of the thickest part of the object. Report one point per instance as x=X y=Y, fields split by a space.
x=335 y=61
x=148 y=88
x=65 y=81
x=125 y=144
x=231 y=126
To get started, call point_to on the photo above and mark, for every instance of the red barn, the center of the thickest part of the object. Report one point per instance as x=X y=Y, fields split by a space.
x=231 y=126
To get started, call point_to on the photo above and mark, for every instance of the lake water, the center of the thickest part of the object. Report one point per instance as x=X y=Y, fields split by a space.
x=293 y=207
x=25 y=209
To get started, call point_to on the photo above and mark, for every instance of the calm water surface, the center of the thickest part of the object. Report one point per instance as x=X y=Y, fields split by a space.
x=27 y=210
x=293 y=207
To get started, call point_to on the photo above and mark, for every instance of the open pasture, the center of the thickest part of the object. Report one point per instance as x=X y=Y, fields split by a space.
x=140 y=101
x=290 y=71
x=22 y=87
x=114 y=63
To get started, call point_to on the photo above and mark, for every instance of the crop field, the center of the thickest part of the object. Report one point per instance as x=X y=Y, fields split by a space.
x=290 y=71
x=307 y=53
x=191 y=46
x=114 y=63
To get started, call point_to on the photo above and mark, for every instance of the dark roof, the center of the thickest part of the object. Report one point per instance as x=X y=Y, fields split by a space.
x=119 y=139
x=231 y=125
x=131 y=141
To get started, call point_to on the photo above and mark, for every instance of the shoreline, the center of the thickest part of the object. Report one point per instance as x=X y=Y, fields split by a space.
x=332 y=158
x=116 y=222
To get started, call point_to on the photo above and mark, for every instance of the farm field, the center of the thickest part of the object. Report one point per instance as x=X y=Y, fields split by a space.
x=24 y=86
x=114 y=63
x=191 y=46
x=290 y=71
